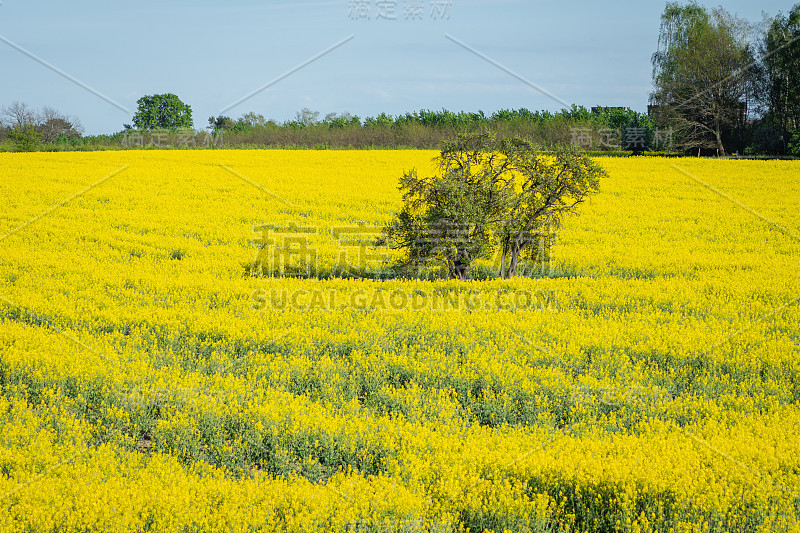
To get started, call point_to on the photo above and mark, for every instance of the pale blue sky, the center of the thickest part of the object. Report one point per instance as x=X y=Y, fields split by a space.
x=212 y=54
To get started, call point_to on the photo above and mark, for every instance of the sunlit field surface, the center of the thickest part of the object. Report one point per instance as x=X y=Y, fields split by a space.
x=650 y=382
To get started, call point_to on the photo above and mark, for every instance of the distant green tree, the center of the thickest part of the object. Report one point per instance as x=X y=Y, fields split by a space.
x=794 y=144
x=700 y=74
x=162 y=111
x=334 y=120
x=25 y=137
x=780 y=77
x=306 y=117
x=220 y=123
x=253 y=119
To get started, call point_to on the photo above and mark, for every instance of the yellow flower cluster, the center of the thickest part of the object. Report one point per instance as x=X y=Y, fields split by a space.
x=150 y=382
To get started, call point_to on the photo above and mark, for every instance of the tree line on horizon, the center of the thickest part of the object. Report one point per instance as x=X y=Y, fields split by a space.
x=721 y=86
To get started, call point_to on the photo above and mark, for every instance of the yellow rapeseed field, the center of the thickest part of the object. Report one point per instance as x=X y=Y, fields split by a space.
x=152 y=382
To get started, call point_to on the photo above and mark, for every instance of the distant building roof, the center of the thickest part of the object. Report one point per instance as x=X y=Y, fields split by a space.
x=599 y=109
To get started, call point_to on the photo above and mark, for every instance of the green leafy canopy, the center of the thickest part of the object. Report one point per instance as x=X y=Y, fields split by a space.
x=162 y=111
x=488 y=196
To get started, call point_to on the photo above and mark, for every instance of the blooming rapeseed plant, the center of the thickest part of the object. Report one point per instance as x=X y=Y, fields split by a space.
x=150 y=383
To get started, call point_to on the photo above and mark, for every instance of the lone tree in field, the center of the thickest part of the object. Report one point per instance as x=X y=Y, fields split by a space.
x=540 y=189
x=487 y=196
x=162 y=112
x=446 y=218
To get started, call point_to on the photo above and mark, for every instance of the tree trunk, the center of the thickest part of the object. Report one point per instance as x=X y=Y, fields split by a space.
x=513 y=260
x=461 y=271
x=720 y=148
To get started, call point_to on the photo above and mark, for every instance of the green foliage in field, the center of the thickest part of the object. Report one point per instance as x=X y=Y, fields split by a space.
x=162 y=111
x=488 y=196
x=24 y=137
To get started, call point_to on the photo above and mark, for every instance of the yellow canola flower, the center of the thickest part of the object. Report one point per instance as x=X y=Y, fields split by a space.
x=143 y=388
